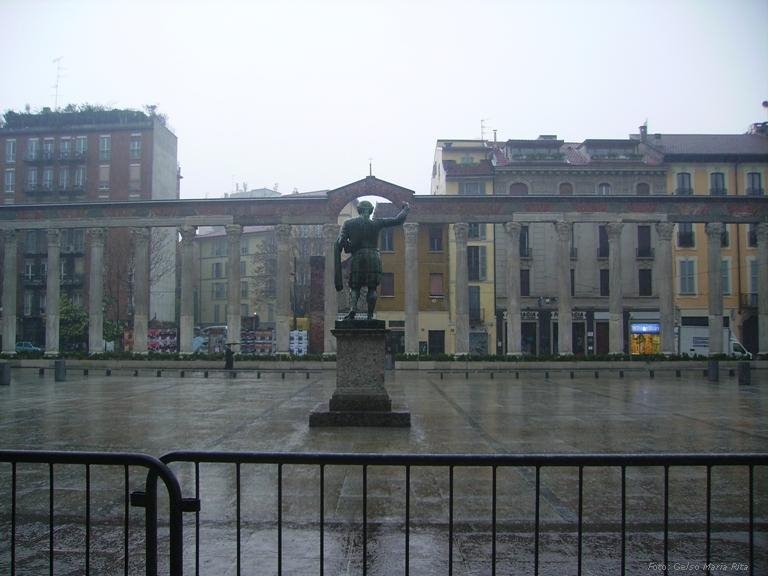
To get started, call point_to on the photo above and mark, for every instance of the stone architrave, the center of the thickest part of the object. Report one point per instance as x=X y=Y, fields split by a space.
x=411 y=230
x=615 y=296
x=714 y=232
x=52 y=293
x=283 y=235
x=564 y=312
x=187 y=305
x=331 y=310
x=460 y=231
x=664 y=279
x=762 y=287
x=96 y=292
x=140 y=289
x=514 y=334
x=234 y=320
x=10 y=280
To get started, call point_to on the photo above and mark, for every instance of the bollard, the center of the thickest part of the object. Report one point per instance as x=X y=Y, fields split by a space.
x=571 y=374
x=41 y=372
x=307 y=375
x=546 y=374
x=745 y=373
x=731 y=372
x=517 y=375
x=159 y=373
x=597 y=375
x=713 y=370
x=181 y=374
x=466 y=375
x=108 y=372
x=441 y=375
x=135 y=372
x=205 y=374
x=491 y=375
x=651 y=374
x=258 y=375
x=621 y=373
x=59 y=371
x=85 y=371
x=677 y=373
x=5 y=374
x=282 y=375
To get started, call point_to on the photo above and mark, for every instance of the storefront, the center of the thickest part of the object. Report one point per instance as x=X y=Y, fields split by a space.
x=644 y=338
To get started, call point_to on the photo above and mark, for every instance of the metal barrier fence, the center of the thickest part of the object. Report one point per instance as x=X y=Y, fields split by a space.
x=159 y=469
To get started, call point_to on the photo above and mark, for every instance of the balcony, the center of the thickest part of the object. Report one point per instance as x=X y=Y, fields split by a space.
x=684 y=191
x=39 y=157
x=75 y=249
x=40 y=189
x=81 y=156
x=72 y=279
x=749 y=300
x=574 y=253
x=476 y=316
x=73 y=189
x=718 y=191
x=29 y=280
x=645 y=253
x=754 y=192
x=526 y=252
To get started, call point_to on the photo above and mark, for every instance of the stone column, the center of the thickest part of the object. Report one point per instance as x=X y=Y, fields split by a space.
x=564 y=312
x=762 y=287
x=615 y=296
x=715 y=287
x=234 y=322
x=10 y=283
x=96 y=292
x=330 y=233
x=187 y=305
x=140 y=289
x=462 y=289
x=411 y=230
x=514 y=336
x=53 y=293
x=283 y=285
x=665 y=280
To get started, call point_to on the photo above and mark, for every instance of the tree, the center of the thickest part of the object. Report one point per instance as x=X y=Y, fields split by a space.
x=73 y=325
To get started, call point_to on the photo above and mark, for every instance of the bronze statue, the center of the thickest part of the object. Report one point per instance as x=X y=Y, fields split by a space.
x=360 y=237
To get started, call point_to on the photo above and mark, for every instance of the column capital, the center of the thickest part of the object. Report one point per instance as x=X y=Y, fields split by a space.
x=330 y=232
x=513 y=229
x=233 y=232
x=762 y=232
x=664 y=230
x=613 y=229
x=140 y=235
x=563 y=230
x=54 y=237
x=96 y=235
x=283 y=233
x=187 y=233
x=714 y=230
x=10 y=235
x=460 y=231
x=411 y=230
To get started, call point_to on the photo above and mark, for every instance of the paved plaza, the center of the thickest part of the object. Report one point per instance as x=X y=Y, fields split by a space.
x=452 y=414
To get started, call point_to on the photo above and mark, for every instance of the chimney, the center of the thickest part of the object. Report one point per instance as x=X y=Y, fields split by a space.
x=644 y=132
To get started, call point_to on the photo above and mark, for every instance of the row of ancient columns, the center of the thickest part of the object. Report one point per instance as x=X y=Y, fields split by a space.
x=663 y=273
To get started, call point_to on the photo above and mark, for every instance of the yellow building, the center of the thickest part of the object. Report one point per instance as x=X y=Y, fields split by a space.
x=716 y=165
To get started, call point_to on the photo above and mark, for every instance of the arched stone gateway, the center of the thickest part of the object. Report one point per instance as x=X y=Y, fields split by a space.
x=369 y=186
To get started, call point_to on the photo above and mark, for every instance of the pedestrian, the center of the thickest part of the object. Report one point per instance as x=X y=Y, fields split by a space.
x=229 y=358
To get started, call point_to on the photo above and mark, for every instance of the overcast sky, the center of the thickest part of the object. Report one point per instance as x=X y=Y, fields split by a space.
x=303 y=93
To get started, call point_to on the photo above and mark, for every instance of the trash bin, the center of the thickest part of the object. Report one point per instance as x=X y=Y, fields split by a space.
x=713 y=370
x=745 y=373
x=59 y=370
x=5 y=374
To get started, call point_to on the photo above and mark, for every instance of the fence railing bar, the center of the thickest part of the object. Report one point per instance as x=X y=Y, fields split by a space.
x=709 y=518
x=87 y=519
x=493 y=521
x=666 y=518
x=13 y=518
x=126 y=517
x=322 y=519
x=237 y=488
x=407 y=520
x=50 y=518
x=365 y=520
x=197 y=520
x=623 y=520
x=279 y=519
x=580 y=517
x=751 y=520
x=450 y=521
x=536 y=524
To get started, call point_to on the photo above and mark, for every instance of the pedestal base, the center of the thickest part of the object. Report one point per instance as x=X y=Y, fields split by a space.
x=360 y=398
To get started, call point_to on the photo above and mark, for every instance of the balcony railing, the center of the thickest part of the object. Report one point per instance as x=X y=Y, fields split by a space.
x=73 y=156
x=73 y=189
x=685 y=240
x=749 y=300
x=38 y=189
x=602 y=251
x=755 y=192
x=33 y=279
x=574 y=253
x=645 y=252
x=718 y=191
x=39 y=156
x=684 y=191
x=72 y=279
x=476 y=315
x=525 y=252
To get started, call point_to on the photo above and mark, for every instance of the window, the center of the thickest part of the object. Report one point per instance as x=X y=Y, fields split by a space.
x=386 y=240
x=388 y=284
x=27 y=303
x=475 y=312
x=10 y=180
x=645 y=282
x=476 y=232
x=243 y=288
x=134 y=177
x=81 y=146
x=717 y=184
x=10 y=151
x=573 y=282
x=80 y=177
x=436 y=289
x=565 y=189
x=644 y=249
x=753 y=276
x=684 y=184
x=471 y=188
x=105 y=148
x=219 y=290
x=435 y=238
x=476 y=263
x=219 y=248
x=725 y=275
x=604 y=189
x=63 y=177
x=754 y=183
x=33 y=149
x=135 y=146
x=42 y=300
x=604 y=282
x=643 y=189
x=104 y=177
x=48 y=178
x=244 y=310
x=242 y=267
x=525 y=282
x=31 y=178
x=725 y=237
x=525 y=247
x=216 y=314
x=48 y=149
x=687 y=276
x=752 y=235
x=65 y=148
x=216 y=270
x=685 y=235
x=602 y=241
x=518 y=189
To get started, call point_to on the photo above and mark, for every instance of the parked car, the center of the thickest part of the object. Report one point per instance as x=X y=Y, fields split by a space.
x=27 y=347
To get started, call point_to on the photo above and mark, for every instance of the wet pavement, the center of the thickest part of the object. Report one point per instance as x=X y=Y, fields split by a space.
x=449 y=415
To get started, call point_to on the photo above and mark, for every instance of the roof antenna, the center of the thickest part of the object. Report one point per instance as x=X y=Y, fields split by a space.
x=370 y=166
x=58 y=79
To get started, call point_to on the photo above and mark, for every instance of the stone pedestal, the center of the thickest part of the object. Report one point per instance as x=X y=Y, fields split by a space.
x=360 y=398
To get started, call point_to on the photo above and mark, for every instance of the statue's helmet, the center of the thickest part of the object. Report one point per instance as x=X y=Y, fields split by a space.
x=365 y=206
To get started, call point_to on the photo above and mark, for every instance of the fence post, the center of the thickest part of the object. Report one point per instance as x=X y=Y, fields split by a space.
x=5 y=374
x=59 y=370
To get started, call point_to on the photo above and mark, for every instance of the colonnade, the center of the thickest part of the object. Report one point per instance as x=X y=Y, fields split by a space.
x=663 y=270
